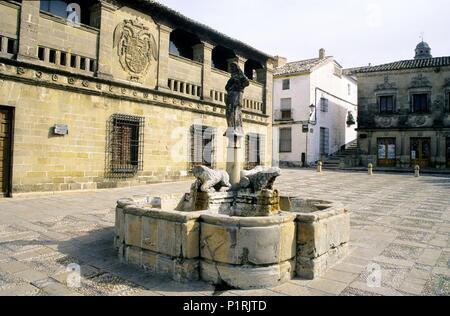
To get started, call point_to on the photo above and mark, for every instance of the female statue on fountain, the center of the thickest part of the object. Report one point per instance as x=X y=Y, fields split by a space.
x=235 y=90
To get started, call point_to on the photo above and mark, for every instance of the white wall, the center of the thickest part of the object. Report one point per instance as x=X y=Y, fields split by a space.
x=336 y=88
x=303 y=93
x=299 y=93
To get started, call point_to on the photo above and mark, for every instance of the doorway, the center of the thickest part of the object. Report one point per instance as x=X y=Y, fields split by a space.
x=420 y=152
x=387 y=150
x=6 y=128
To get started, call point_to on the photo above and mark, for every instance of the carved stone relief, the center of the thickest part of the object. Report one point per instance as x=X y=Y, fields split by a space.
x=136 y=48
x=386 y=85
x=420 y=82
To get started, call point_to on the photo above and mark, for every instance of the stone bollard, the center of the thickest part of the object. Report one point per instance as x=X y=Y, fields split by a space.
x=417 y=171
x=319 y=167
x=370 y=169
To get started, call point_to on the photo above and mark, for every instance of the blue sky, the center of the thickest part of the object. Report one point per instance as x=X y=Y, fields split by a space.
x=356 y=32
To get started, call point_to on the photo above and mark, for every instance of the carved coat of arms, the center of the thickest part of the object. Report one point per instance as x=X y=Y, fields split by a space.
x=136 y=48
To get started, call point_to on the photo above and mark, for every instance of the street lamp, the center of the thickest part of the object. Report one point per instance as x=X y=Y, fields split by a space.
x=312 y=110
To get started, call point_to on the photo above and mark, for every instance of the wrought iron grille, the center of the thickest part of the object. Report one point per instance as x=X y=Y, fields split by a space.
x=254 y=150
x=202 y=146
x=125 y=150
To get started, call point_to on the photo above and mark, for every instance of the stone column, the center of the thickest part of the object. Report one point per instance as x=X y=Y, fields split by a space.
x=28 y=31
x=267 y=105
x=163 y=61
x=234 y=158
x=239 y=60
x=104 y=13
x=203 y=54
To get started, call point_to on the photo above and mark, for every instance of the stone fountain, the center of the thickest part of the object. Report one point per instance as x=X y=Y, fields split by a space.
x=233 y=228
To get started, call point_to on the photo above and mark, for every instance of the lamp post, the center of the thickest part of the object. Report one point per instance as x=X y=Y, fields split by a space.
x=312 y=110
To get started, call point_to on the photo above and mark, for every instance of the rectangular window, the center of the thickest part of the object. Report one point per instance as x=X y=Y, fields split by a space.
x=324 y=141
x=83 y=63
x=11 y=46
x=286 y=84
x=285 y=140
x=63 y=59
x=286 y=108
x=52 y=57
x=386 y=103
x=126 y=143
x=254 y=150
x=420 y=103
x=202 y=146
x=349 y=89
x=324 y=105
x=92 y=65
x=41 y=53
x=73 y=61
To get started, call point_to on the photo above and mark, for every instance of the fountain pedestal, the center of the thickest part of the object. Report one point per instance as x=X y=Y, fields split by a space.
x=234 y=157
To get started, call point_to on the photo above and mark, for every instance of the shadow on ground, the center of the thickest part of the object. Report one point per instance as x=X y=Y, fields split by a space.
x=104 y=274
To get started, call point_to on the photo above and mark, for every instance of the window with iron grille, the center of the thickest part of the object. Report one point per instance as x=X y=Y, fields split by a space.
x=324 y=141
x=202 y=146
x=286 y=84
x=285 y=140
x=254 y=150
x=324 y=105
x=126 y=142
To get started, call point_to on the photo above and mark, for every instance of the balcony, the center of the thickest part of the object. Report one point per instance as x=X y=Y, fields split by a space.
x=185 y=76
x=10 y=16
x=65 y=46
x=283 y=116
x=253 y=94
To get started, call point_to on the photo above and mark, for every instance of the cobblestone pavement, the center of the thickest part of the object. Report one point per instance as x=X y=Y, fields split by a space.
x=400 y=223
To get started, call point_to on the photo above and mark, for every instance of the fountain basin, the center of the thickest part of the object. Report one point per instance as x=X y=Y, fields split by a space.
x=323 y=234
x=305 y=239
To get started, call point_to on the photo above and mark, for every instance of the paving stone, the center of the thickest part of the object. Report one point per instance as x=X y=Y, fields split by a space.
x=30 y=275
x=296 y=290
x=327 y=286
x=397 y=222
x=13 y=266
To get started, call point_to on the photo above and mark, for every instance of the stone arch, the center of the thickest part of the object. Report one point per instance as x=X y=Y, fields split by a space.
x=221 y=56
x=182 y=43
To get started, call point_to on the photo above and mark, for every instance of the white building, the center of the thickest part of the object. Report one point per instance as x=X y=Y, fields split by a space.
x=313 y=102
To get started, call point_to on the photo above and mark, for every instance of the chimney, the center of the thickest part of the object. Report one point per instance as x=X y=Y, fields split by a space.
x=322 y=53
x=279 y=61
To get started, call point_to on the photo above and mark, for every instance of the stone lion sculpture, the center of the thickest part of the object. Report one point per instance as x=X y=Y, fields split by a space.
x=209 y=180
x=259 y=178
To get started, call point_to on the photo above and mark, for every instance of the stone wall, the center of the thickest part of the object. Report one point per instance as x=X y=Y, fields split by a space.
x=307 y=239
x=44 y=92
x=402 y=125
x=45 y=162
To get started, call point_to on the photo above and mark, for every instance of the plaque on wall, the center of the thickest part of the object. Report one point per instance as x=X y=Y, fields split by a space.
x=60 y=129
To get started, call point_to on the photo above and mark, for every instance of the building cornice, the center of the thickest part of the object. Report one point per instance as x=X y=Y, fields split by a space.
x=43 y=76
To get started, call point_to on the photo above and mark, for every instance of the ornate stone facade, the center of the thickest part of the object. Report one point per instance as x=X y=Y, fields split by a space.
x=122 y=64
x=404 y=113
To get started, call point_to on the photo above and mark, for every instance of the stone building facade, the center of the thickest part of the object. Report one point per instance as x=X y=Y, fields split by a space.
x=105 y=93
x=315 y=109
x=404 y=112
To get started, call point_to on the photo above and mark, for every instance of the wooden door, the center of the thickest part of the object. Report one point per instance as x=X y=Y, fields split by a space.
x=420 y=152
x=387 y=152
x=5 y=149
